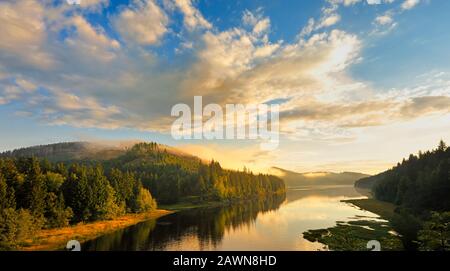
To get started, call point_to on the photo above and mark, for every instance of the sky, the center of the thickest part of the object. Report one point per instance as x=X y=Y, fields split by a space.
x=361 y=84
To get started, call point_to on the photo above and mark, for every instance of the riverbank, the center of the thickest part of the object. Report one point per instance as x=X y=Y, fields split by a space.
x=385 y=210
x=55 y=239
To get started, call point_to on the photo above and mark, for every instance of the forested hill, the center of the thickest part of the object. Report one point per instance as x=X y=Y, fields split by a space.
x=293 y=179
x=36 y=193
x=168 y=174
x=419 y=183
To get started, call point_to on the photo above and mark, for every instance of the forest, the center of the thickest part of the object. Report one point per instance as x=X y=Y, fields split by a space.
x=171 y=177
x=37 y=194
x=420 y=187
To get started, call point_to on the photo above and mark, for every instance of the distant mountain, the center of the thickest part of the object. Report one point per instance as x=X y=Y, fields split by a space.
x=68 y=151
x=292 y=178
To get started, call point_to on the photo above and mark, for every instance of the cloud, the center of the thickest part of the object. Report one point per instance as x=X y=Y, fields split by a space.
x=329 y=21
x=9 y=93
x=409 y=4
x=193 y=19
x=372 y=113
x=229 y=69
x=384 y=23
x=143 y=22
x=99 y=79
x=93 y=5
x=259 y=23
x=344 y=2
x=309 y=118
x=23 y=34
x=329 y=17
x=89 y=41
x=378 y=2
x=26 y=85
x=385 y=19
x=421 y=106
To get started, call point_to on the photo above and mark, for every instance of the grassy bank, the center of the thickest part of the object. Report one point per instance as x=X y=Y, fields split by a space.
x=354 y=235
x=381 y=208
x=54 y=239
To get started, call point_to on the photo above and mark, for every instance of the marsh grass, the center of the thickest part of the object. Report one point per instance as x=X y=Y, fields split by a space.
x=354 y=235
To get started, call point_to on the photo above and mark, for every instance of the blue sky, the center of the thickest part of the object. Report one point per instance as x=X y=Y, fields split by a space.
x=349 y=75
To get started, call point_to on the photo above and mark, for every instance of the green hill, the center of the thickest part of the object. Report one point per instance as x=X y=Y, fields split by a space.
x=168 y=173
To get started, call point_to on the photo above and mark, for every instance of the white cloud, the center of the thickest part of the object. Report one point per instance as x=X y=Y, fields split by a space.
x=93 y=4
x=259 y=23
x=384 y=24
x=384 y=19
x=329 y=21
x=193 y=19
x=143 y=23
x=344 y=2
x=378 y=2
x=409 y=4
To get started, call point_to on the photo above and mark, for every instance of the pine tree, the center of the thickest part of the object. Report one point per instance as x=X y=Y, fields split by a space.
x=57 y=214
x=6 y=195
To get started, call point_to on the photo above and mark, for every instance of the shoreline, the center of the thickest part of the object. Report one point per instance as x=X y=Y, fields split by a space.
x=385 y=210
x=55 y=239
x=354 y=235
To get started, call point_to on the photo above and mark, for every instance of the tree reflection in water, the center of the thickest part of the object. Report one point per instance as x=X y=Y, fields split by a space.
x=204 y=226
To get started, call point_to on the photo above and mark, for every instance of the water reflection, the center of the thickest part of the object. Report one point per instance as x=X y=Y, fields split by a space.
x=203 y=228
x=275 y=223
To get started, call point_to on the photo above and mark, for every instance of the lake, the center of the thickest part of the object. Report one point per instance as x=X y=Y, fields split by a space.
x=275 y=223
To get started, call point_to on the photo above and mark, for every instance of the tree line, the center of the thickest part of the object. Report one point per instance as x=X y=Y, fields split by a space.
x=420 y=186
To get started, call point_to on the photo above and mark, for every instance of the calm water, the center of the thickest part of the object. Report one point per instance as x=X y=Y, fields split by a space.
x=275 y=223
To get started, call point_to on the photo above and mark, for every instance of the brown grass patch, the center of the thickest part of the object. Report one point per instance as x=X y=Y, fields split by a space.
x=55 y=239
